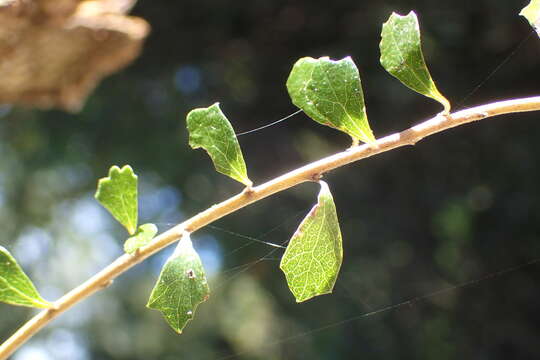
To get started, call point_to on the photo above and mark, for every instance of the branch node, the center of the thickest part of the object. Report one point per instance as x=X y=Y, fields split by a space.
x=106 y=284
x=445 y=114
x=373 y=145
x=248 y=190
x=316 y=177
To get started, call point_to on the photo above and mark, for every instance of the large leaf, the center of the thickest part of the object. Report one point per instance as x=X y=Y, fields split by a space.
x=531 y=12
x=118 y=194
x=145 y=233
x=401 y=56
x=15 y=287
x=313 y=257
x=181 y=286
x=330 y=92
x=209 y=129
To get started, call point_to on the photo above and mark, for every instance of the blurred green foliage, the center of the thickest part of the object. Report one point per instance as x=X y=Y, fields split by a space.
x=456 y=207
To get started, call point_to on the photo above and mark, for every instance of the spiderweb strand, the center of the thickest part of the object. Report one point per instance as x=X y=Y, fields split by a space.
x=271 y=124
x=243 y=269
x=245 y=237
x=497 y=68
x=410 y=303
x=266 y=257
x=251 y=240
x=258 y=238
x=242 y=236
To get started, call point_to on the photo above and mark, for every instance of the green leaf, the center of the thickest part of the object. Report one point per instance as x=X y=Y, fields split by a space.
x=330 y=92
x=145 y=233
x=181 y=286
x=118 y=194
x=209 y=129
x=401 y=56
x=15 y=287
x=313 y=257
x=531 y=12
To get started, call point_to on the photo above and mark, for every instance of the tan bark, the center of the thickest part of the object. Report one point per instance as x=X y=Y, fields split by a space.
x=54 y=52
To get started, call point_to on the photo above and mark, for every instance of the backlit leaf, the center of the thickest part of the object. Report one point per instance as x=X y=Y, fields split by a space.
x=15 y=287
x=118 y=194
x=209 y=129
x=145 y=233
x=401 y=56
x=313 y=257
x=531 y=12
x=181 y=286
x=330 y=92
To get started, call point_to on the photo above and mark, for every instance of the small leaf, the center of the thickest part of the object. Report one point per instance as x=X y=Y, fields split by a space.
x=330 y=92
x=401 y=56
x=209 y=129
x=313 y=257
x=145 y=233
x=15 y=287
x=531 y=12
x=118 y=194
x=181 y=286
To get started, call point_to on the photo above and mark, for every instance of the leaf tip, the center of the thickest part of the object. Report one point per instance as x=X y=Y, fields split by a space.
x=447 y=106
x=44 y=304
x=16 y=288
x=249 y=185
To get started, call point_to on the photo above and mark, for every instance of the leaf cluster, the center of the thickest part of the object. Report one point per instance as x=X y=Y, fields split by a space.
x=329 y=92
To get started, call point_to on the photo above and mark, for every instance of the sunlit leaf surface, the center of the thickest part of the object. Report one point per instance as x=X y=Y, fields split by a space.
x=401 y=56
x=209 y=129
x=118 y=194
x=145 y=233
x=330 y=92
x=531 y=12
x=313 y=257
x=15 y=287
x=181 y=286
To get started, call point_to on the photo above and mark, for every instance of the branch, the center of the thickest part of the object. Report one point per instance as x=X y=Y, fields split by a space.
x=306 y=173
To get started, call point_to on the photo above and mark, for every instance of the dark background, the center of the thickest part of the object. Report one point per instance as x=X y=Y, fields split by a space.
x=458 y=207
